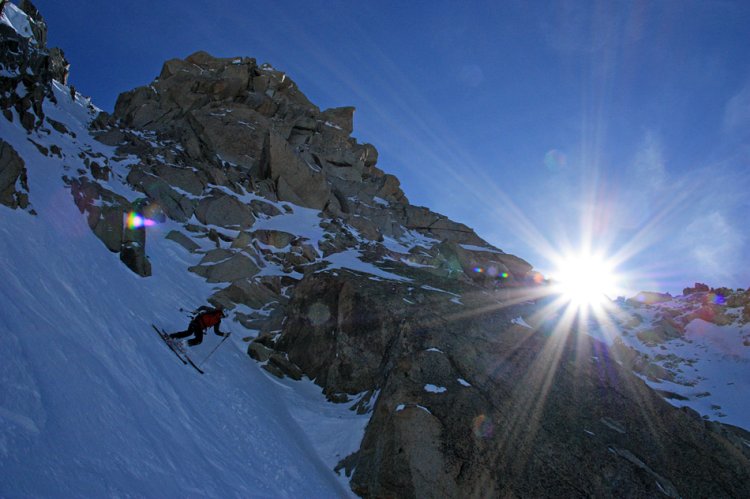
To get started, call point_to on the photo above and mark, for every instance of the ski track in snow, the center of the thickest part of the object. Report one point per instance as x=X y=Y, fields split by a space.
x=93 y=404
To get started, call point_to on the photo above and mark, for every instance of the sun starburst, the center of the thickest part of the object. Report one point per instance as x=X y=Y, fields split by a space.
x=585 y=280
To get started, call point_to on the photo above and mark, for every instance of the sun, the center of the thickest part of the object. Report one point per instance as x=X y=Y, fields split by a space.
x=585 y=280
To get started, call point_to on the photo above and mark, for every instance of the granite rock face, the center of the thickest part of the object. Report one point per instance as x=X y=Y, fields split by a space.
x=225 y=142
x=470 y=403
x=391 y=308
x=232 y=122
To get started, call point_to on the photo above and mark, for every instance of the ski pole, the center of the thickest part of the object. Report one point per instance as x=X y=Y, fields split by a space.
x=215 y=348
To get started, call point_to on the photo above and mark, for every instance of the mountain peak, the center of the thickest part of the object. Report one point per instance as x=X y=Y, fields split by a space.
x=220 y=182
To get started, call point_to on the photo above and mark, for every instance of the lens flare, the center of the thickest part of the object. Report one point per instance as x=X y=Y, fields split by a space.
x=135 y=221
x=555 y=160
x=483 y=427
x=318 y=313
x=716 y=299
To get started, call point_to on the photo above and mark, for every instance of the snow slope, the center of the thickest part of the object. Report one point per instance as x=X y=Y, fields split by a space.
x=710 y=363
x=92 y=403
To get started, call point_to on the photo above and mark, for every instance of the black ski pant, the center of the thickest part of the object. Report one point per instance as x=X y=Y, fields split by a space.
x=193 y=329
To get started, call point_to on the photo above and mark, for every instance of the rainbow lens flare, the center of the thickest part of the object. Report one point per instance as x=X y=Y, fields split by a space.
x=136 y=221
x=716 y=299
x=555 y=160
x=483 y=427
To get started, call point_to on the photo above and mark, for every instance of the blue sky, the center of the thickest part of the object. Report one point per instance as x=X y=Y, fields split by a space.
x=545 y=126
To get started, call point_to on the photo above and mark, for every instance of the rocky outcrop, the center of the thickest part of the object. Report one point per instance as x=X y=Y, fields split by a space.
x=467 y=402
x=106 y=213
x=715 y=305
x=662 y=330
x=699 y=287
x=483 y=264
x=28 y=67
x=231 y=122
x=14 y=188
x=133 y=247
x=221 y=141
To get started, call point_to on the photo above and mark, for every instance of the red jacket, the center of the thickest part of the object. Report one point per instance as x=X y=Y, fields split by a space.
x=207 y=319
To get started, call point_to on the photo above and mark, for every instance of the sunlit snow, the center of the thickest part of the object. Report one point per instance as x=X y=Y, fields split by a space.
x=92 y=403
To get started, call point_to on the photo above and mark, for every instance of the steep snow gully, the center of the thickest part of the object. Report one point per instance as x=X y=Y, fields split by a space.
x=91 y=401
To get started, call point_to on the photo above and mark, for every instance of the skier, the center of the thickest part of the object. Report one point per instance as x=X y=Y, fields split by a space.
x=206 y=318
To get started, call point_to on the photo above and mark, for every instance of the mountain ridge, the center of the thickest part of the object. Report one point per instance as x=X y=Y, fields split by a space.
x=392 y=309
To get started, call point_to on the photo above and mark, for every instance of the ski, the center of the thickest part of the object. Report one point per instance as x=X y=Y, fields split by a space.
x=165 y=339
x=179 y=353
x=190 y=361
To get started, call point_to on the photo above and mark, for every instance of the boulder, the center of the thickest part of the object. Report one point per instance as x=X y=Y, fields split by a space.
x=263 y=208
x=224 y=211
x=273 y=369
x=282 y=89
x=133 y=247
x=390 y=189
x=368 y=155
x=340 y=170
x=341 y=118
x=183 y=240
x=14 y=188
x=106 y=212
x=236 y=267
x=139 y=108
x=258 y=351
x=276 y=238
x=254 y=293
x=488 y=266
